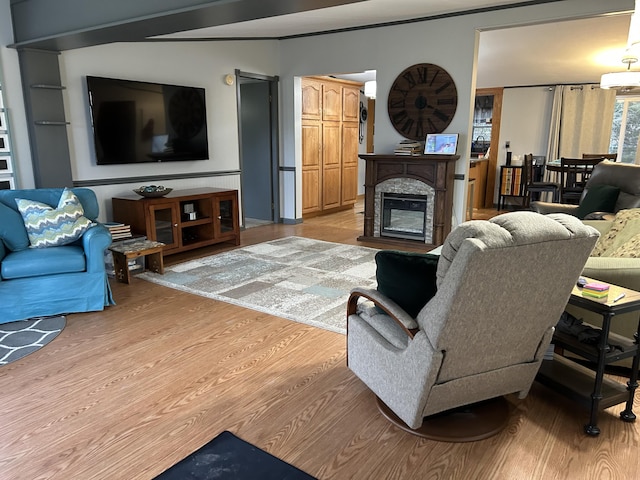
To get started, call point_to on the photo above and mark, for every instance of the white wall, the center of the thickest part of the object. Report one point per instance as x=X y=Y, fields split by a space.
x=14 y=102
x=197 y=64
x=526 y=113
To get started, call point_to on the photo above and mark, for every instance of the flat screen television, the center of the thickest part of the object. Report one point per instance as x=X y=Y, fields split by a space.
x=135 y=122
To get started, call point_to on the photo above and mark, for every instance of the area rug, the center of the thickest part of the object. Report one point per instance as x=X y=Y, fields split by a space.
x=18 y=339
x=301 y=279
x=230 y=457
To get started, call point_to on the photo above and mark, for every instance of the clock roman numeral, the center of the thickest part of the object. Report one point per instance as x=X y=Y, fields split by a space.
x=434 y=77
x=442 y=87
x=400 y=116
x=441 y=115
x=422 y=74
x=420 y=129
x=446 y=101
x=404 y=93
x=409 y=78
x=396 y=103
x=406 y=128
x=432 y=126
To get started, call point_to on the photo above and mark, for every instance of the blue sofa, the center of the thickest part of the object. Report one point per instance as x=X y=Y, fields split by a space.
x=36 y=282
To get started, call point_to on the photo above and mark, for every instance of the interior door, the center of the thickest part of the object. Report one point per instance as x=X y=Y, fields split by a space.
x=258 y=160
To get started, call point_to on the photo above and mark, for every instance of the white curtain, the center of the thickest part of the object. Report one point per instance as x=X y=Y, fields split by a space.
x=580 y=120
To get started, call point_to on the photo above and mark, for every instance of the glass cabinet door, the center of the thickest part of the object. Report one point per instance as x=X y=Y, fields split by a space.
x=164 y=224
x=227 y=213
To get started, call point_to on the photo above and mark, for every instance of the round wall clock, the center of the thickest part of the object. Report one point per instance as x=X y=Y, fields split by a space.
x=422 y=99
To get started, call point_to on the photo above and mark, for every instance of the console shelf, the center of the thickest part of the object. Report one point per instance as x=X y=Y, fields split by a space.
x=168 y=219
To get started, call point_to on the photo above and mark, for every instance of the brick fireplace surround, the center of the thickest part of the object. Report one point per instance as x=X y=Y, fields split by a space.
x=430 y=175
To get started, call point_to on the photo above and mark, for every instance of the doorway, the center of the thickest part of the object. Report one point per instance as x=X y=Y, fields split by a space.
x=258 y=133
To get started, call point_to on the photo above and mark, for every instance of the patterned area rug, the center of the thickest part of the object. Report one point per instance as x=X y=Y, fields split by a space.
x=19 y=339
x=300 y=279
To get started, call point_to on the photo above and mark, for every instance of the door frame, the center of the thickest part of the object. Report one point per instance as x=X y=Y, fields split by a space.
x=273 y=82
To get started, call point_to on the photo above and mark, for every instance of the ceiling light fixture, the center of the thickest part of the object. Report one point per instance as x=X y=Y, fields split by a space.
x=628 y=79
x=370 y=88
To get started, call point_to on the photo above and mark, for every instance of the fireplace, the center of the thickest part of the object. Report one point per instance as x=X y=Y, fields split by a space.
x=424 y=182
x=404 y=216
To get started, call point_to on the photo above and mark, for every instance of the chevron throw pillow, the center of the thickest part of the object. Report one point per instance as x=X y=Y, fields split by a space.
x=51 y=227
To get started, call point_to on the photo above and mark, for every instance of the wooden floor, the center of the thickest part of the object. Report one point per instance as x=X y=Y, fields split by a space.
x=125 y=393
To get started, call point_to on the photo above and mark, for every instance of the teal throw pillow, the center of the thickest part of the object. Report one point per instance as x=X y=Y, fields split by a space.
x=12 y=232
x=409 y=279
x=599 y=198
x=51 y=227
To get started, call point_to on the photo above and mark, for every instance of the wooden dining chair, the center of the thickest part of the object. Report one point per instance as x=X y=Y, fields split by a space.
x=609 y=156
x=574 y=173
x=532 y=186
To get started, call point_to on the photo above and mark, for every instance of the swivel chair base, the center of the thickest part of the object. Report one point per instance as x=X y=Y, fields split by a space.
x=464 y=424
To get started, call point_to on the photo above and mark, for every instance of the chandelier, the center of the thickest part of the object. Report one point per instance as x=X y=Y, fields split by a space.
x=627 y=79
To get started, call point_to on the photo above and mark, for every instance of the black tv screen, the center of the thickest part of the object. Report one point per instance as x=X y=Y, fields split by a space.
x=135 y=122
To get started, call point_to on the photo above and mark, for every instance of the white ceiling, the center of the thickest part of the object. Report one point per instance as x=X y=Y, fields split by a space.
x=576 y=51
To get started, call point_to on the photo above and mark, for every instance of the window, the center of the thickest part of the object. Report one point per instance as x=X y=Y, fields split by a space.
x=626 y=128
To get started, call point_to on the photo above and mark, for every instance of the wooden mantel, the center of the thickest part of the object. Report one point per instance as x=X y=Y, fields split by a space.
x=436 y=171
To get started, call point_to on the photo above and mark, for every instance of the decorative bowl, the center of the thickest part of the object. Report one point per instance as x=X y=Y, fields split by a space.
x=153 y=191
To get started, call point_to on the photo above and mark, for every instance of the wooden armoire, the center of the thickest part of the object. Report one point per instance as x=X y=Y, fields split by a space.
x=330 y=132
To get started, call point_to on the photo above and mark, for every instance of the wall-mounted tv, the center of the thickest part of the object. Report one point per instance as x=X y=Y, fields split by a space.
x=135 y=122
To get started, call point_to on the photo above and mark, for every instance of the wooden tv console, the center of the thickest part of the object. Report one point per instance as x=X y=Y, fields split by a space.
x=182 y=219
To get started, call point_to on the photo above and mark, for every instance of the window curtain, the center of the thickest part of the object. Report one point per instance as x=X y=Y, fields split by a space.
x=581 y=120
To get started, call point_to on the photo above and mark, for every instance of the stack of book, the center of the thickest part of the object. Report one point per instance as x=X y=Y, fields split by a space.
x=595 y=290
x=409 y=147
x=118 y=231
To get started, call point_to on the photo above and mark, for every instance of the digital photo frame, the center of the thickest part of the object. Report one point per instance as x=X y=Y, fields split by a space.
x=441 y=144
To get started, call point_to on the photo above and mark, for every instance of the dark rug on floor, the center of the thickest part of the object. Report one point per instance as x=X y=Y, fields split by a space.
x=230 y=457
x=19 y=339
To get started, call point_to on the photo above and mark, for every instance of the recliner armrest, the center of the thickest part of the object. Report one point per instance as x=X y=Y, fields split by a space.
x=95 y=241
x=390 y=307
x=548 y=207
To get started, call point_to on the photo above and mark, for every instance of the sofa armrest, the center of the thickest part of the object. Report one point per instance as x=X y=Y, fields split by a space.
x=624 y=272
x=602 y=226
x=548 y=207
x=95 y=241
x=3 y=253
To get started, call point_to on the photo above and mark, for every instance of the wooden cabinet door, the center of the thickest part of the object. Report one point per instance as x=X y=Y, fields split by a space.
x=332 y=164
x=350 y=104
x=163 y=224
x=350 y=132
x=331 y=102
x=311 y=99
x=311 y=167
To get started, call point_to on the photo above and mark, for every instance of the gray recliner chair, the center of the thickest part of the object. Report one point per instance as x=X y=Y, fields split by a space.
x=484 y=333
x=624 y=176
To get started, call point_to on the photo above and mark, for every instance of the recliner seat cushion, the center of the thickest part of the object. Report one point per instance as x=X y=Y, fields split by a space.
x=35 y=262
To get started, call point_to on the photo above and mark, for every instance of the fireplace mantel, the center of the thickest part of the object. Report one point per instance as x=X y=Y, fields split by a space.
x=437 y=171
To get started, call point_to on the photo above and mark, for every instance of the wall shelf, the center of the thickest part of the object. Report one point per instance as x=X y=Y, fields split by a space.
x=48 y=86
x=51 y=123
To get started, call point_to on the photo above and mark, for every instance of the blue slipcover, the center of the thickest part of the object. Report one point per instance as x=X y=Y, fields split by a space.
x=36 y=282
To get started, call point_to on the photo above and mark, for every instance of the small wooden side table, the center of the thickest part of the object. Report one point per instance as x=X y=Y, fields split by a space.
x=123 y=252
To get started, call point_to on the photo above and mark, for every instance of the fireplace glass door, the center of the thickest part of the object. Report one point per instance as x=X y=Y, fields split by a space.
x=404 y=216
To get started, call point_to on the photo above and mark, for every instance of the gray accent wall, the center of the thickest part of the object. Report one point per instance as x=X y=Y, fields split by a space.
x=46 y=122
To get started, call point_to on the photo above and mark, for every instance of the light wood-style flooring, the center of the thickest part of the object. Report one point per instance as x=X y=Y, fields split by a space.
x=126 y=393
